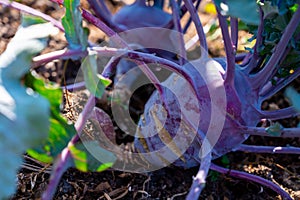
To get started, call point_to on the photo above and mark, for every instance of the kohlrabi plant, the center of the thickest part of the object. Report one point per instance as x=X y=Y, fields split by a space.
x=200 y=110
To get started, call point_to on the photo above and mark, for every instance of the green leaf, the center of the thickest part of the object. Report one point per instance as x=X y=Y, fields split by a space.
x=79 y=158
x=72 y=21
x=24 y=114
x=95 y=82
x=49 y=90
x=82 y=154
x=294 y=97
x=246 y=10
x=61 y=131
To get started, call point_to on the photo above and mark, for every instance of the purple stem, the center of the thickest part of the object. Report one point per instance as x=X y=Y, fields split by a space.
x=234 y=31
x=111 y=67
x=241 y=56
x=279 y=114
x=103 y=27
x=61 y=165
x=267 y=149
x=61 y=54
x=187 y=25
x=195 y=17
x=251 y=177
x=74 y=86
x=32 y=11
x=269 y=90
x=183 y=10
x=199 y=180
x=245 y=62
x=284 y=132
x=253 y=62
x=260 y=79
x=230 y=53
x=65 y=158
x=176 y=20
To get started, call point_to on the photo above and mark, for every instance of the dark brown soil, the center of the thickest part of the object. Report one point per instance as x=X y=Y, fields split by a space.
x=167 y=183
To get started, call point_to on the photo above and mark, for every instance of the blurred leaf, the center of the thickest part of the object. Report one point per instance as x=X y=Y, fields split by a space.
x=246 y=10
x=24 y=114
x=28 y=20
x=72 y=21
x=49 y=90
x=61 y=131
x=293 y=96
x=79 y=158
x=94 y=82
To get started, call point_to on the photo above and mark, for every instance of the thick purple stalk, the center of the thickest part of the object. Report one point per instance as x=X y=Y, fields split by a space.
x=267 y=149
x=283 y=133
x=269 y=90
x=195 y=17
x=177 y=26
x=260 y=79
x=230 y=53
x=199 y=180
x=254 y=59
x=32 y=11
x=234 y=31
x=279 y=114
x=65 y=158
x=254 y=178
